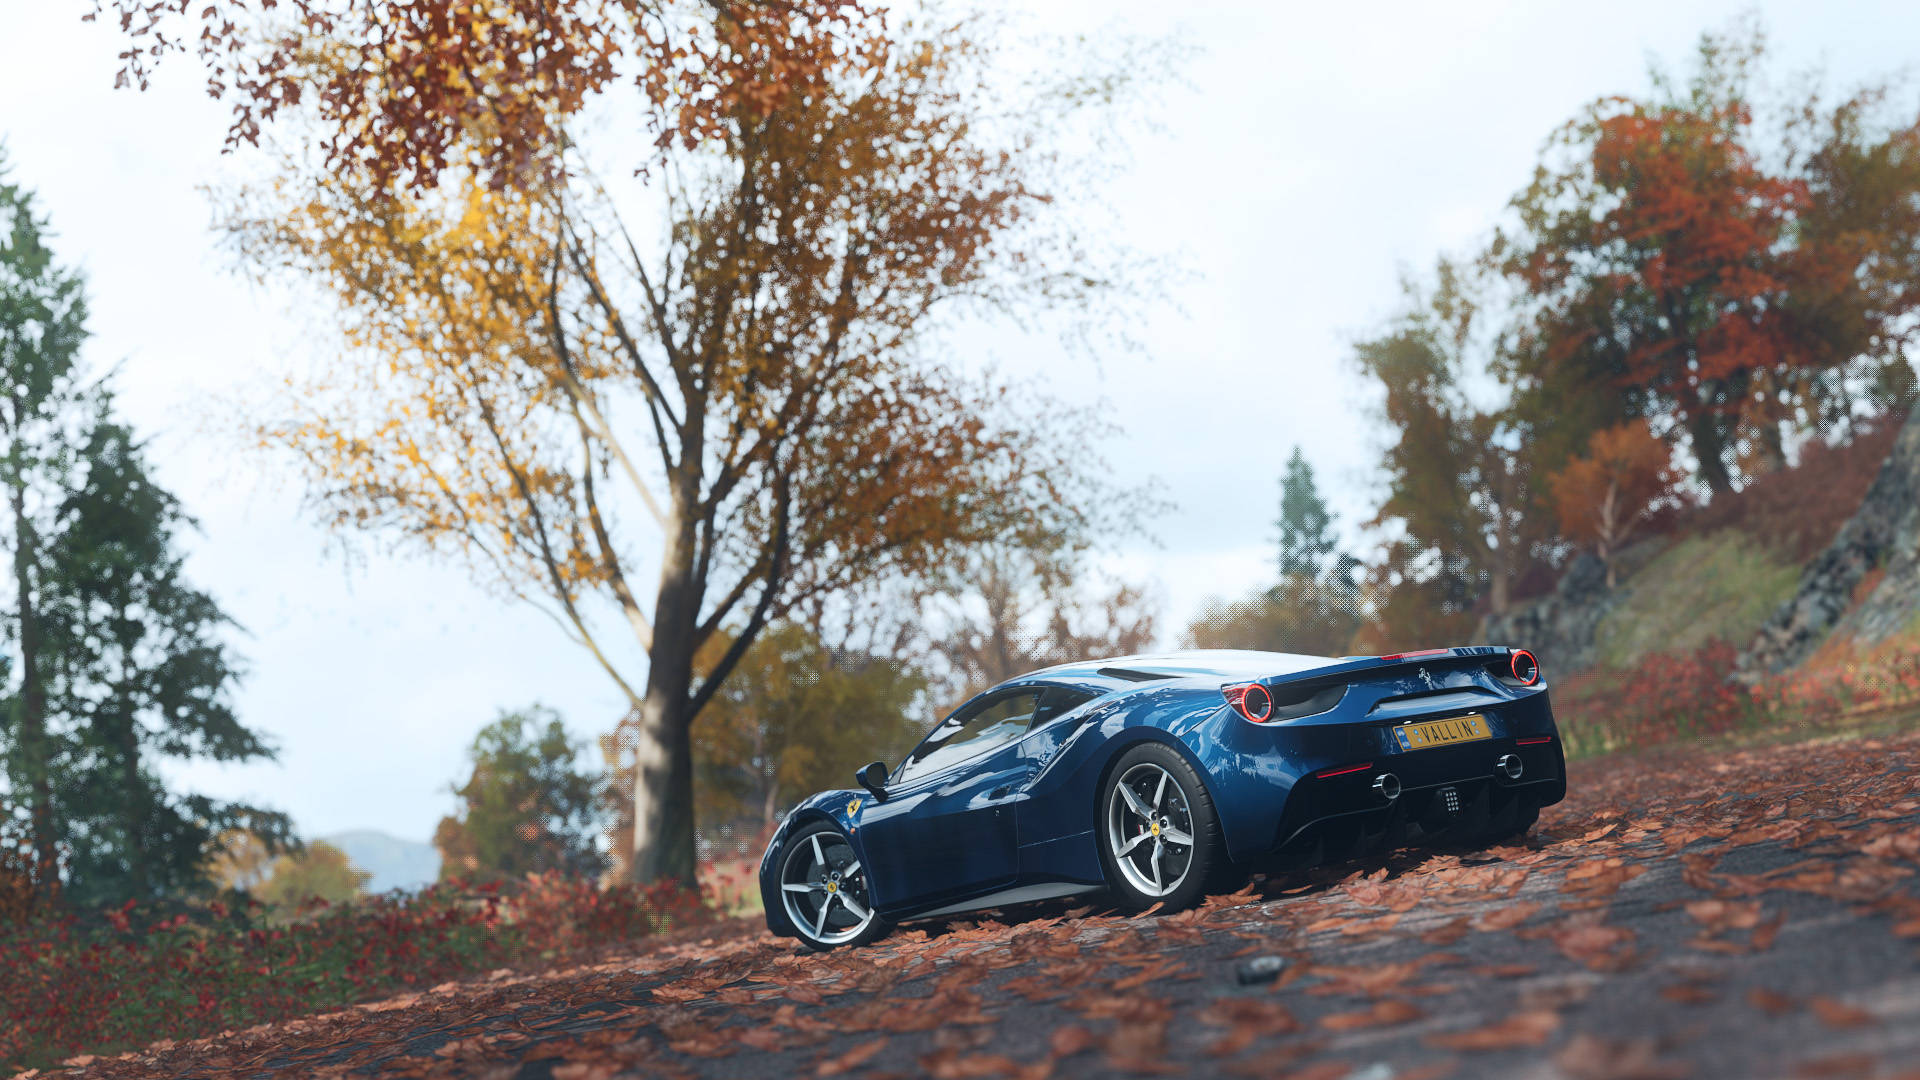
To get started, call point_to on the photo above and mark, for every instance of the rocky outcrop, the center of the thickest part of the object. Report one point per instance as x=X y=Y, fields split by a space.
x=1560 y=628
x=1883 y=533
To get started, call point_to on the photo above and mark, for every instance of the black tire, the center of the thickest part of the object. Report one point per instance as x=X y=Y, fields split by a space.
x=1123 y=832
x=833 y=911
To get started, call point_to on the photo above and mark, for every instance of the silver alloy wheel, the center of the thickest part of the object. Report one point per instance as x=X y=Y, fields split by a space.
x=1150 y=829
x=824 y=889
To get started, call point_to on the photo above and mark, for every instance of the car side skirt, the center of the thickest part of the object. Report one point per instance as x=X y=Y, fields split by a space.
x=1022 y=894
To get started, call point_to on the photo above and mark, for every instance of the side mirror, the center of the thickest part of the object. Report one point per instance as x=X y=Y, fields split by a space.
x=873 y=777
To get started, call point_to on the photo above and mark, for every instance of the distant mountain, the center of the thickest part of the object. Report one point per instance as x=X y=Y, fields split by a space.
x=390 y=862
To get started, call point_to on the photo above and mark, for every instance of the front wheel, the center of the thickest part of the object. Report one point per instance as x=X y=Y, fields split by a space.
x=1159 y=835
x=823 y=889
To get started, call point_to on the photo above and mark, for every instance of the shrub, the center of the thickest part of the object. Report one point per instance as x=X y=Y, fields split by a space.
x=1667 y=697
x=77 y=985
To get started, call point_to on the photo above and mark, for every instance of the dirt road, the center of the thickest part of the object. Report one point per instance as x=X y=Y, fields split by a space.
x=1746 y=915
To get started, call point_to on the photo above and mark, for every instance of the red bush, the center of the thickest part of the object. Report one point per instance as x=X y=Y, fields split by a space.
x=72 y=987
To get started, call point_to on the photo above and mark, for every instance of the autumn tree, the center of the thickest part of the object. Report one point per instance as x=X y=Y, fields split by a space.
x=1681 y=261
x=314 y=871
x=1602 y=497
x=798 y=716
x=740 y=398
x=527 y=807
x=239 y=859
x=1018 y=605
x=1462 y=494
x=1315 y=616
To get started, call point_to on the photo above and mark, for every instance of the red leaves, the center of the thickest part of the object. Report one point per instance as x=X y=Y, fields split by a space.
x=852 y=1059
x=934 y=999
x=236 y=975
x=1506 y=916
x=1069 y=1040
x=1598 y=946
x=1383 y=1013
x=1588 y=1058
x=1532 y=1028
x=1839 y=1014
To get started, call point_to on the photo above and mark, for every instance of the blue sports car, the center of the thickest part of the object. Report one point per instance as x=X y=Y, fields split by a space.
x=1160 y=778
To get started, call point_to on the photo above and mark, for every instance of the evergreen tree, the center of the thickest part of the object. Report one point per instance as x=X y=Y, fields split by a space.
x=43 y=314
x=526 y=807
x=1306 y=528
x=114 y=658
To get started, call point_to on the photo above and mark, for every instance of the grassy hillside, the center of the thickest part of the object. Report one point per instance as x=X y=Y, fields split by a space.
x=1693 y=590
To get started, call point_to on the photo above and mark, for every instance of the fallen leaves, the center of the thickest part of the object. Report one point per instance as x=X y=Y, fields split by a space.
x=1506 y=917
x=1548 y=951
x=1838 y=1014
x=1586 y=1057
x=1531 y=1028
x=852 y=1059
x=1384 y=1012
x=1598 y=946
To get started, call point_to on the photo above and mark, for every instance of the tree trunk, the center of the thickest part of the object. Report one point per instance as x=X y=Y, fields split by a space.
x=1709 y=446
x=663 y=756
x=770 y=805
x=33 y=700
x=131 y=802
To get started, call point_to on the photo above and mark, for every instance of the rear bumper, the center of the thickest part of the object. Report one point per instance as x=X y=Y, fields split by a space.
x=1446 y=792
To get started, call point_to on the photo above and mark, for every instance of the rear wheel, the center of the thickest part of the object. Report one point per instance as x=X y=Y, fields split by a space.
x=823 y=889
x=1159 y=835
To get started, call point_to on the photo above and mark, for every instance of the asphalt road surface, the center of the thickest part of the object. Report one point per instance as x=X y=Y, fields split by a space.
x=1749 y=914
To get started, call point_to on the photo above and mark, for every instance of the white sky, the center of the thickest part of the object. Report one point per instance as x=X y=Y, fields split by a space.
x=1318 y=151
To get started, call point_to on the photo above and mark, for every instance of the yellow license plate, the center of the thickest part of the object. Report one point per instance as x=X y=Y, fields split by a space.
x=1441 y=732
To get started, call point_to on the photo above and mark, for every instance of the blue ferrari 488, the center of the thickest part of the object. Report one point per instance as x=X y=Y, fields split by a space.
x=1159 y=778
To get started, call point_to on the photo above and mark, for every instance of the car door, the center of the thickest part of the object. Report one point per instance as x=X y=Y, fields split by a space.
x=946 y=830
x=1046 y=819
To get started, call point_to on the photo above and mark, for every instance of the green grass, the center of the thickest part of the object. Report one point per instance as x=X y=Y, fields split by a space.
x=1723 y=585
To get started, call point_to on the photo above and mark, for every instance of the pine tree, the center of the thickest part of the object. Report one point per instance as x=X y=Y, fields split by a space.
x=1306 y=528
x=43 y=316
x=114 y=658
x=142 y=674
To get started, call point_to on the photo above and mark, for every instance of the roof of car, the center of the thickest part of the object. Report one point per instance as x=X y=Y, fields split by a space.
x=1221 y=663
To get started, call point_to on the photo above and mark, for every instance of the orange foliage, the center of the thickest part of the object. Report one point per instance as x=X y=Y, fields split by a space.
x=1674 y=268
x=399 y=89
x=531 y=386
x=1602 y=497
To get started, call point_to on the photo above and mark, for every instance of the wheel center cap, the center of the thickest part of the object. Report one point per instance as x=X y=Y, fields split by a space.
x=1155 y=827
x=833 y=886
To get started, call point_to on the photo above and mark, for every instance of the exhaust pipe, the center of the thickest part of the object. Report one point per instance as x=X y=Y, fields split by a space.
x=1510 y=766
x=1388 y=785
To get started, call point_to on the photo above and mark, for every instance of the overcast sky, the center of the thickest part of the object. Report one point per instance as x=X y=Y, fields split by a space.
x=1318 y=152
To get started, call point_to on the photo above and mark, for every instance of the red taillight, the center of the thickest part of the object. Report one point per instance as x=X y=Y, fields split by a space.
x=1250 y=700
x=1345 y=769
x=1526 y=670
x=1533 y=740
x=1411 y=655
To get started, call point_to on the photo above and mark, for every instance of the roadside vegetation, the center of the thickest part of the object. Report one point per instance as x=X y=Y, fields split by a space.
x=137 y=974
x=705 y=419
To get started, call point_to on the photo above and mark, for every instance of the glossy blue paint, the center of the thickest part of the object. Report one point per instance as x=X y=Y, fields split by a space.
x=1025 y=813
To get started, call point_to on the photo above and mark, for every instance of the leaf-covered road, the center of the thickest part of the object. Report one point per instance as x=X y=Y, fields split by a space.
x=1750 y=915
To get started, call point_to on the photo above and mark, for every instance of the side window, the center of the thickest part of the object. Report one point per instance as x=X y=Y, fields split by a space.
x=1059 y=700
x=971 y=732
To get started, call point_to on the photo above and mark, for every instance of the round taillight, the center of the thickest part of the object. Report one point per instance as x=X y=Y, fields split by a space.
x=1256 y=704
x=1526 y=670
